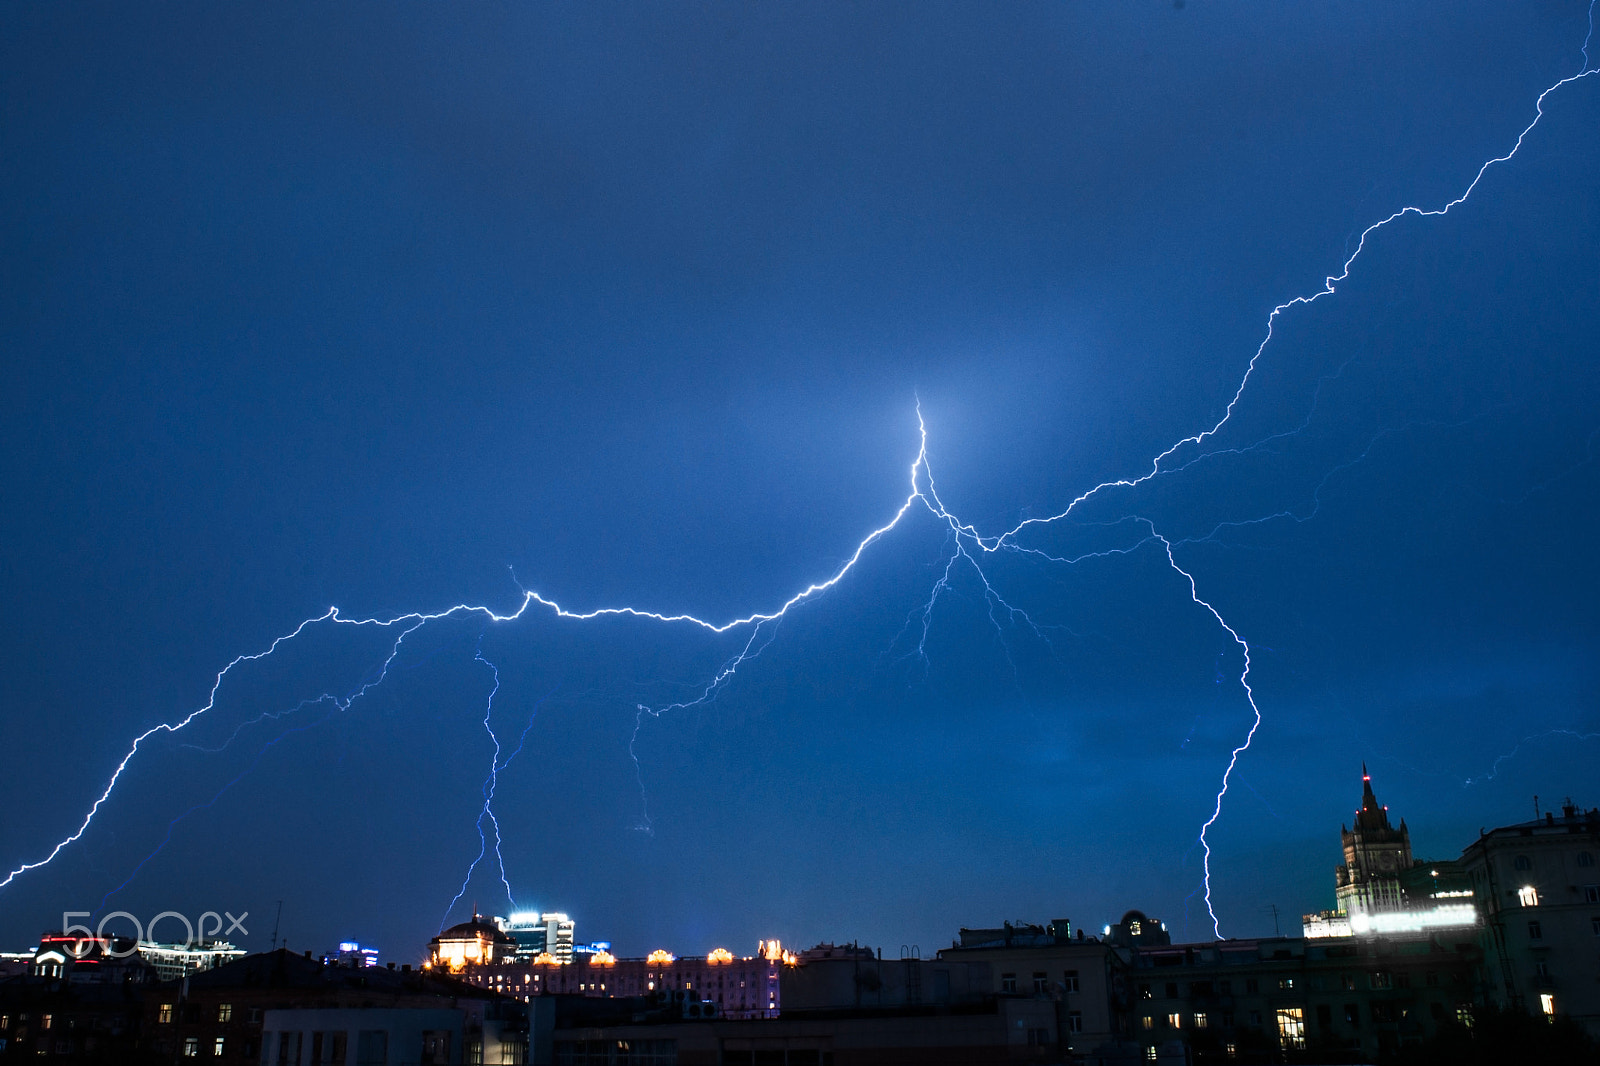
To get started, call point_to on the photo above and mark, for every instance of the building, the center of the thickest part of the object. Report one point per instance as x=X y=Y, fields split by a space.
x=474 y=1031
x=1538 y=884
x=278 y=1007
x=540 y=934
x=351 y=953
x=733 y=986
x=1328 y=999
x=80 y=999
x=1375 y=854
x=173 y=961
x=479 y=942
x=1382 y=889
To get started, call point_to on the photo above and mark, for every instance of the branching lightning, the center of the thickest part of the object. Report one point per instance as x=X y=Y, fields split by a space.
x=491 y=784
x=968 y=547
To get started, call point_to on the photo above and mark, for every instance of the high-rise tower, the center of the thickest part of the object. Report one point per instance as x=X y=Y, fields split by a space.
x=1375 y=855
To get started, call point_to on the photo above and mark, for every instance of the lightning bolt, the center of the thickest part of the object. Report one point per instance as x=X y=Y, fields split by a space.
x=969 y=548
x=491 y=784
x=1495 y=769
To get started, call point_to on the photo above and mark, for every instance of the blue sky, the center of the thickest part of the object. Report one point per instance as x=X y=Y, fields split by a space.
x=398 y=307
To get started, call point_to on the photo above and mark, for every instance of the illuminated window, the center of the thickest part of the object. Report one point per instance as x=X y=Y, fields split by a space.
x=1200 y=1020
x=1285 y=983
x=45 y=1020
x=225 y=1012
x=1547 y=1003
x=164 y=1014
x=191 y=1047
x=216 y=1049
x=1144 y=991
x=1175 y=1020
x=1292 y=1027
x=1231 y=1049
x=1464 y=1015
x=1150 y=1053
x=1528 y=896
x=1381 y=979
x=1148 y=1022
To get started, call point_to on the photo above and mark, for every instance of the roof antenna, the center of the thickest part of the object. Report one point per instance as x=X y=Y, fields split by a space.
x=275 y=922
x=1536 y=806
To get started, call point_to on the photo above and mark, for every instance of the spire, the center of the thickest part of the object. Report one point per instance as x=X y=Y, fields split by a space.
x=1368 y=800
x=1372 y=815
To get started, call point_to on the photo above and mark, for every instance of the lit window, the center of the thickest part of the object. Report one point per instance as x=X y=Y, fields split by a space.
x=1292 y=1027
x=1464 y=1016
x=216 y=1049
x=1175 y=1020
x=1150 y=1053
x=191 y=1047
x=1200 y=1020
x=1231 y=1049
x=1285 y=983
x=1148 y=1022
x=1528 y=896
x=225 y=1012
x=164 y=1014
x=1547 y=1003
x=45 y=1020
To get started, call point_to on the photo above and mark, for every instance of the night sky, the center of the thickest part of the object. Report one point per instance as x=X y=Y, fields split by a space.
x=397 y=307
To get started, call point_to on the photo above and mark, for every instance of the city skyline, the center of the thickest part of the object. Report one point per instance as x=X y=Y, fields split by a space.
x=656 y=314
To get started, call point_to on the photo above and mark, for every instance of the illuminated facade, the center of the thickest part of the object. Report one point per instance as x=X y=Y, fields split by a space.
x=538 y=934
x=479 y=942
x=731 y=986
